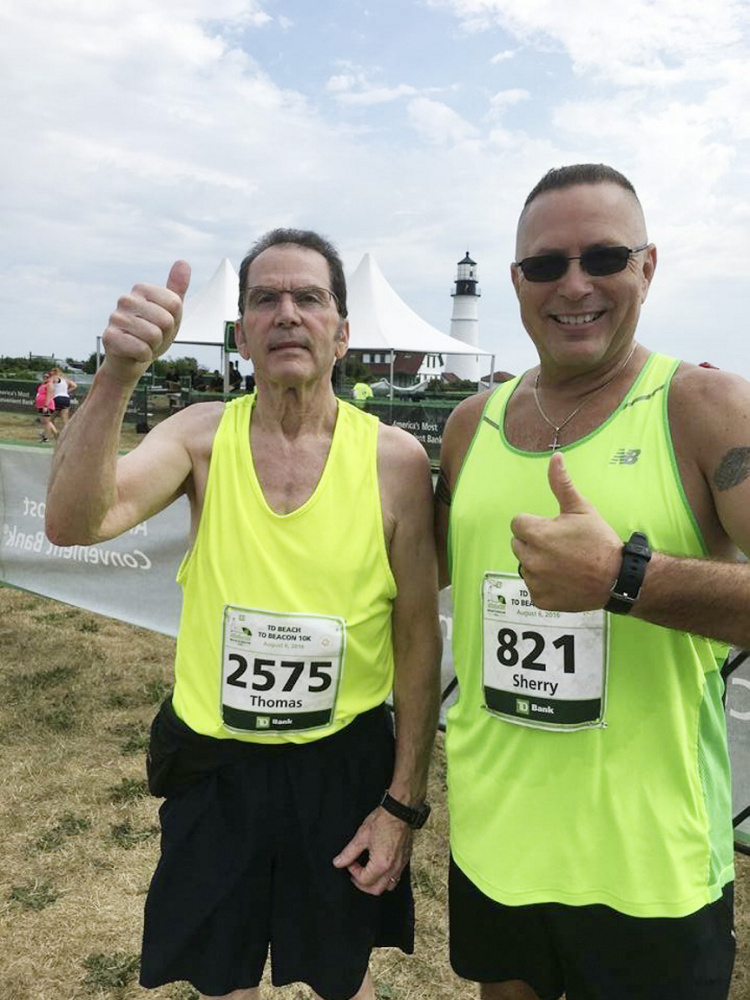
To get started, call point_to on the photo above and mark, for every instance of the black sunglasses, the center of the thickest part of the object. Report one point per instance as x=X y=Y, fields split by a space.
x=596 y=261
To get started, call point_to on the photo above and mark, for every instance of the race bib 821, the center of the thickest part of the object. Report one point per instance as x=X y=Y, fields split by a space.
x=546 y=669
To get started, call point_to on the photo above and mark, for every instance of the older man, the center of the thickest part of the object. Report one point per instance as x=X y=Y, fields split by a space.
x=589 y=782
x=309 y=592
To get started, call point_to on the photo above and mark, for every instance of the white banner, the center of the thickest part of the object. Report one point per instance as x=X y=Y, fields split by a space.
x=132 y=579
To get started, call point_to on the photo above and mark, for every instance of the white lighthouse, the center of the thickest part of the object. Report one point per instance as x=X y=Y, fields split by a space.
x=465 y=320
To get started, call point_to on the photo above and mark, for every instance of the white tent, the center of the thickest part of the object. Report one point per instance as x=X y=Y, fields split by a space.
x=380 y=319
x=206 y=312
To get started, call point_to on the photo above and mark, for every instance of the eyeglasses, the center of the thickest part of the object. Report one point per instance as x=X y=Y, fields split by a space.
x=310 y=299
x=596 y=261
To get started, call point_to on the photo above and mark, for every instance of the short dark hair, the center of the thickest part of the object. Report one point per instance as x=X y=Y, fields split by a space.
x=579 y=173
x=301 y=238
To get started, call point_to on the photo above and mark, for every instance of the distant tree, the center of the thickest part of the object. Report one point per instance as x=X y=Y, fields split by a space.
x=23 y=368
x=160 y=367
x=355 y=371
x=182 y=366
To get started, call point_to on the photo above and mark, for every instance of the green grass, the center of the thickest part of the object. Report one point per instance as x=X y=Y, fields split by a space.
x=106 y=972
x=425 y=884
x=62 y=718
x=35 y=896
x=59 y=617
x=67 y=826
x=125 y=835
x=184 y=991
x=40 y=680
x=128 y=790
x=135 y=738
x=151 y=692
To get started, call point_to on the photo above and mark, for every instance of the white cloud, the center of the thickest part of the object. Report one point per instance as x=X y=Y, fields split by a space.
x=665 y=41
x=355 y=87
x=139 y=133
x=341 y=83
x=378 y=95
x=508 y=98
x=439 y=124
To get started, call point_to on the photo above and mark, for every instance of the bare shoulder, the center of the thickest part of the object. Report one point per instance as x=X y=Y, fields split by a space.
x=405 y=480
x=709 y=409
x=469 y=410
x=459 y=431
x=693 y=382
x=193 y=427
x=399 y=452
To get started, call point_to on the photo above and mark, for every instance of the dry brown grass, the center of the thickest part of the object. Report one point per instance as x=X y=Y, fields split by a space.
x=77 y=694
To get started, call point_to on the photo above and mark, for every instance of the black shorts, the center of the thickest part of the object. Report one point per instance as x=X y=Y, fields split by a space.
x=44 y=411
x=591 y=952
x=246 y=863
x=62 y=402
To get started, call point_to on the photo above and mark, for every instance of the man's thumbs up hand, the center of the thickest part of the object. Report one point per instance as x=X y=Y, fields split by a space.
x=568 y=562
x=144 y=325
x=568 y=497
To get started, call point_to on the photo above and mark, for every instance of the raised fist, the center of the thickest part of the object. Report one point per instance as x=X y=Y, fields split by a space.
x=144 y=324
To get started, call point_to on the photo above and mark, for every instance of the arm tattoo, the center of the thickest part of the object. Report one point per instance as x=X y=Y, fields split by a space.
x=442 y=489
x=733 y=469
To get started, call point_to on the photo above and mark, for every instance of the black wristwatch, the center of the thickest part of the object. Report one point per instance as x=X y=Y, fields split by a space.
x=635 y=556
x=415 y=816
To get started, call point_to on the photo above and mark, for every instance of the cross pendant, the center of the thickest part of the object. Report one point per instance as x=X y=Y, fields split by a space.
x=555 y=443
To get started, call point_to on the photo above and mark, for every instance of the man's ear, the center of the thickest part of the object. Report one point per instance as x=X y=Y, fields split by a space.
x=515 y=276
x=239 y=339
x=649 y=266
x=342 y=339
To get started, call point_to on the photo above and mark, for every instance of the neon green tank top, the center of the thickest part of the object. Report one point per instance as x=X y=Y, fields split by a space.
x=285 y=634
x=630 y=808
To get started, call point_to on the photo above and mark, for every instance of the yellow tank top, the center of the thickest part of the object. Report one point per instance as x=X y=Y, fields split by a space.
x=628 y=802
x=285 y=634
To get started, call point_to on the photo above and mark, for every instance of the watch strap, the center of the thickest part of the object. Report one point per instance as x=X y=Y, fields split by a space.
x=413 y=816
x=636 y=554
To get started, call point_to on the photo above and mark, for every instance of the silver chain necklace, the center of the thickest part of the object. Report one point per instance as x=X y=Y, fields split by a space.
x=558 y=427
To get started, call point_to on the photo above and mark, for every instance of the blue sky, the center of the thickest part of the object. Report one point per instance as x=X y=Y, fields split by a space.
x=136 y=133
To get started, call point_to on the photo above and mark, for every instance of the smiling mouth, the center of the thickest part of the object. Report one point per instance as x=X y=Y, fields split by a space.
x=579 y=319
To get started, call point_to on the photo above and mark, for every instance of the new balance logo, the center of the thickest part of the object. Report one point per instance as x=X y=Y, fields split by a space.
x=625 y=456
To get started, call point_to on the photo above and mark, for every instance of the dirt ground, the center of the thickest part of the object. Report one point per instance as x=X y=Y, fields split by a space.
x=79 y=832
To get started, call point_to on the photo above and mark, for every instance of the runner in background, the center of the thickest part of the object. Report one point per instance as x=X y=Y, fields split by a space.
x=45 y=407
x=62 y=389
